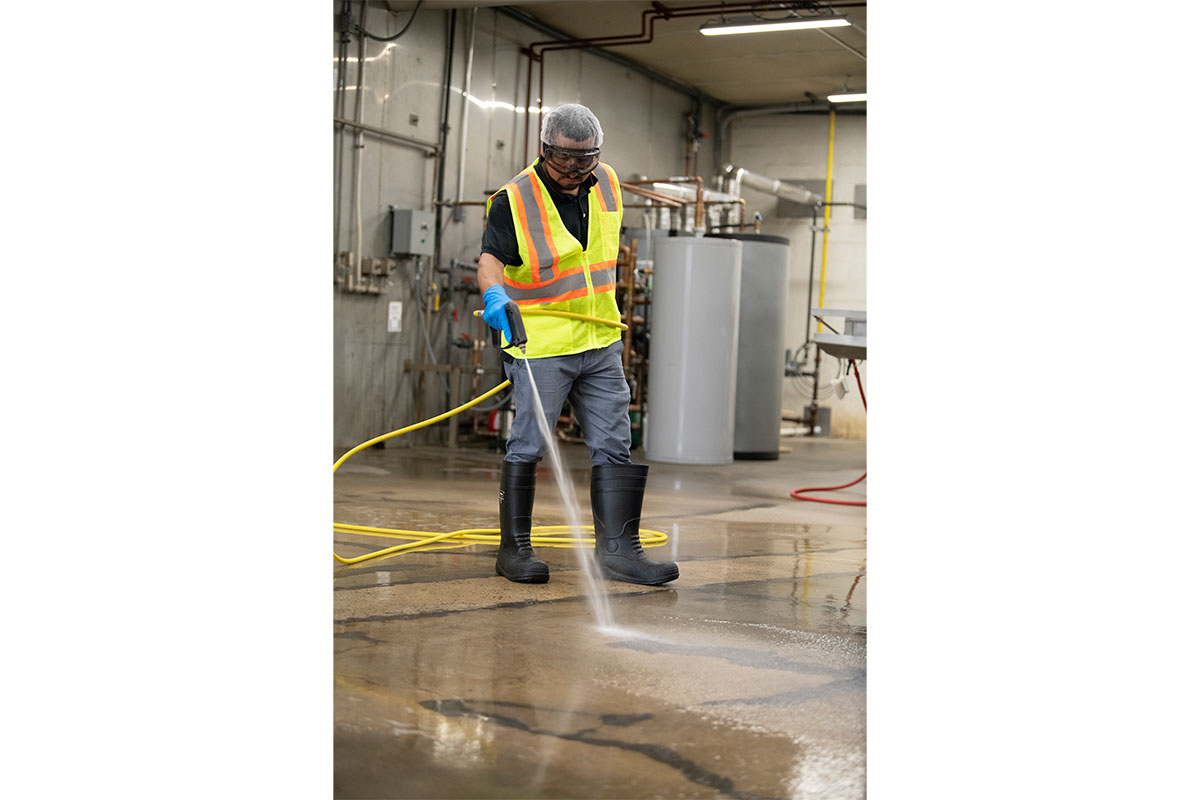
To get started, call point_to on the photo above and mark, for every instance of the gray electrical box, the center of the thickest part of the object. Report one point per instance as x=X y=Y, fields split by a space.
x=860 y=201
x=412 y=232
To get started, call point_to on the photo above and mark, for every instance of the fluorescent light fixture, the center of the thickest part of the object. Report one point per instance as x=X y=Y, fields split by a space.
x=766 y=26
x=848 y=98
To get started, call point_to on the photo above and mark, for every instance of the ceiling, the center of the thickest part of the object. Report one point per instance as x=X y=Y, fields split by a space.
x=761 y=69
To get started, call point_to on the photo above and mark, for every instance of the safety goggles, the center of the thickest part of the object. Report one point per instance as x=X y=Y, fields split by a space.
x=572 y=162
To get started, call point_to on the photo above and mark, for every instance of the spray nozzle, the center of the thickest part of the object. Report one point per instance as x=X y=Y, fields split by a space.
x=516 y=325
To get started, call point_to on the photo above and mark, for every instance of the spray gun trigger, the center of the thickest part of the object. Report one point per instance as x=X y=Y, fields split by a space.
x=517 y=325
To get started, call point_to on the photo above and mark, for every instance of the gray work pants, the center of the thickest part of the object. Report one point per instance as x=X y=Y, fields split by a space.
x=594 y=381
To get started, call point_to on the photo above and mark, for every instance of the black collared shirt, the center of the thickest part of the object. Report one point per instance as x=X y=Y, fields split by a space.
x=500 y=237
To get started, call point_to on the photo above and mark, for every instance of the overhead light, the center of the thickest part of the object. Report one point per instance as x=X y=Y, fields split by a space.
x=765 y=26
x=848 y=98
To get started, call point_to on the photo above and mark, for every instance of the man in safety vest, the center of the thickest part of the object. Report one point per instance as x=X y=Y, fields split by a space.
x=552 y=239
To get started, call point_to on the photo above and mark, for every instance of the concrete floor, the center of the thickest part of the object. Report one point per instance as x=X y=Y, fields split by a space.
x=744 y=678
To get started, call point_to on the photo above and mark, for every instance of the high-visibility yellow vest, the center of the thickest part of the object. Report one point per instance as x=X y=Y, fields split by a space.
x=557 y=272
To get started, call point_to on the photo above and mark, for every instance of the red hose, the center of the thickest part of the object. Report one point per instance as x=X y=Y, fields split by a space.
x=795 y=493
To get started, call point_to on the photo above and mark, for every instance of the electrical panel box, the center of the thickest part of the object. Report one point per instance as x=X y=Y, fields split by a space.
x=412 y=232
x=860 y=201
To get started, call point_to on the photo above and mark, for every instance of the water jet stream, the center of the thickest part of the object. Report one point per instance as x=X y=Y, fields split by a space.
x=597 y=597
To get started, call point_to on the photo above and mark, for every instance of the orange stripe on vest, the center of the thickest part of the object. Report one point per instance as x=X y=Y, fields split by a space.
x=515 y=197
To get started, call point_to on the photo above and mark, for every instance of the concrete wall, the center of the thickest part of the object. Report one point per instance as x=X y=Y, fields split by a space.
x=796 y=147
x=644 y=125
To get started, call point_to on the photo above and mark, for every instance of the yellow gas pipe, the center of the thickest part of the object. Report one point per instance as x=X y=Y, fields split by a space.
x=828 y=200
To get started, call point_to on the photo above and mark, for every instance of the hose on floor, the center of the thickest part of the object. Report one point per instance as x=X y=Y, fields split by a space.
x=795 y=493
x=541 y=535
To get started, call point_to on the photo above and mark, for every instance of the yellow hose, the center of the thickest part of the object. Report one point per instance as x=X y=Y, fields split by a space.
x=549 y=312
x=419 y=425
x=425 y=540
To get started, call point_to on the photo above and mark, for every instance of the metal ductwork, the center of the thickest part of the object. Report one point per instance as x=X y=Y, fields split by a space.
x=687 y=193
x=742 y=177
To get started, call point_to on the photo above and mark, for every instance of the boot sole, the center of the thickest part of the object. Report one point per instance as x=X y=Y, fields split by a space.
x=608 y=573
x=527 y=577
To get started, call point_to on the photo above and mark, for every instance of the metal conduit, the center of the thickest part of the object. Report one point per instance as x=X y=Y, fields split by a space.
x=727 y=115
x=386 y=134
x=462 y=126
x=744 y=177
x=356 y=277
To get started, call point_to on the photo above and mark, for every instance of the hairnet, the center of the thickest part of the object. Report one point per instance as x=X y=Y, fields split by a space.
x=572 y=121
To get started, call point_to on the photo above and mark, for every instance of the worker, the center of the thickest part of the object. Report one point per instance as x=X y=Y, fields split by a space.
x=551 y=241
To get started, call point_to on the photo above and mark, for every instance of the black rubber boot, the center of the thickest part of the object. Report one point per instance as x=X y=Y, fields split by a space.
x=617 y=491
x=516 y=560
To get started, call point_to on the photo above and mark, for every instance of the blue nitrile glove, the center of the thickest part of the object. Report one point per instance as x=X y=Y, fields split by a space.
x=494 y=301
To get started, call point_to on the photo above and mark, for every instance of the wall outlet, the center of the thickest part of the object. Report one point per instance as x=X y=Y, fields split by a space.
x=395 y=315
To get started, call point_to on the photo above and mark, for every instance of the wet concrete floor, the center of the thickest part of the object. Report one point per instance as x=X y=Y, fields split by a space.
x=745 y=678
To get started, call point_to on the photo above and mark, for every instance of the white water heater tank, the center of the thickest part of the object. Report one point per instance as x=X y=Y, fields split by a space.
x=689 y=415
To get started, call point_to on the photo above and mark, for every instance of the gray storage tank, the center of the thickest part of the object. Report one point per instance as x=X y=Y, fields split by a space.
x=762 y=328
x=693 y=350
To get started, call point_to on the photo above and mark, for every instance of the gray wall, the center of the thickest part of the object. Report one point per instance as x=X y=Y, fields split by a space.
x=796 y=147
x=644 y=126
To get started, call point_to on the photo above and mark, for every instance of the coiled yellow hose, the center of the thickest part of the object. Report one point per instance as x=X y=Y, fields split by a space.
x=425 y=540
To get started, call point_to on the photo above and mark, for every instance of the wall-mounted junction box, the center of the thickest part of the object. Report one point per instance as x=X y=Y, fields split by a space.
x=412 y=232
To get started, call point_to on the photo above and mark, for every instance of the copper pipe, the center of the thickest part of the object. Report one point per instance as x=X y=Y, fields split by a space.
x=673 y=179
x=641 y=382
x=670 y=202
x=699 y=192
x=536 y=50
x=645 y=36
x=573 y=44
x=660 y=11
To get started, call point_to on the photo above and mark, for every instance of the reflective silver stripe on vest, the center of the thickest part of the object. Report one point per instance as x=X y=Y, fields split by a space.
x=567 y=283
x=606 y=189
x=537 y=231
x=603 y=277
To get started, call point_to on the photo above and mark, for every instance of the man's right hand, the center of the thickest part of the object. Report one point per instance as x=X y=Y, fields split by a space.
x=494 y=301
